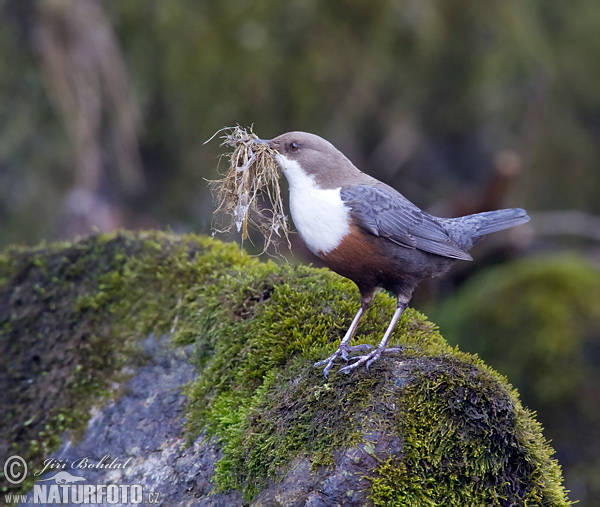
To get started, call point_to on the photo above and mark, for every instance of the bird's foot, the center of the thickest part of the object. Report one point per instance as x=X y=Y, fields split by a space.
x=342 y=352
x=369 y=358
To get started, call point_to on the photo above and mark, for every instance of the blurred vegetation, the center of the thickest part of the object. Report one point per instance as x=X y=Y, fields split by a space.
x=426 y=95
x=105 y=106
x=537 y=321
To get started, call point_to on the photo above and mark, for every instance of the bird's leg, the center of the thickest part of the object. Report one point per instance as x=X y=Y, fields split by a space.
x=375 y=354
x=344 y=348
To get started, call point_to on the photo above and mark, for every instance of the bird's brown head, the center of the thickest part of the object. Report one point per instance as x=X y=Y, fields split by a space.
x=315 y=156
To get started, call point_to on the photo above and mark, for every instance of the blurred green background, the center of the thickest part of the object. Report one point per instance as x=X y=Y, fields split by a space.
x=463 y=106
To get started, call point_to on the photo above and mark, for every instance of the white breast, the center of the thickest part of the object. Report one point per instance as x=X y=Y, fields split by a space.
x=321 y=217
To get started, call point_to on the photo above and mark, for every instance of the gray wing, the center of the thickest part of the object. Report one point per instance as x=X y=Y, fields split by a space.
x=388 y=214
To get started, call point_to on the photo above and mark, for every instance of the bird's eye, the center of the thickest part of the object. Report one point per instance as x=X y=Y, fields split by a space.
x=294 y=146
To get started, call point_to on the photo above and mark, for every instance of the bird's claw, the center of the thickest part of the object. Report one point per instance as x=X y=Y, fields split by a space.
x=342 y=352
x=369 y=358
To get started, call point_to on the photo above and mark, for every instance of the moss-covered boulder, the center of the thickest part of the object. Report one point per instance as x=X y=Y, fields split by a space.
x=537 y=321
x=80 y=326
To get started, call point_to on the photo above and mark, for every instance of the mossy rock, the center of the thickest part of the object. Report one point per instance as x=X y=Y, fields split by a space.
x=537 y=321
x=430 y=426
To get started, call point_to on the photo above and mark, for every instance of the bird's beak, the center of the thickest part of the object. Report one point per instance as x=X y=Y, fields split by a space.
x=269 y=142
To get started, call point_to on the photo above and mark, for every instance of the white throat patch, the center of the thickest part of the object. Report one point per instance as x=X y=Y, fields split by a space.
x=321 y=217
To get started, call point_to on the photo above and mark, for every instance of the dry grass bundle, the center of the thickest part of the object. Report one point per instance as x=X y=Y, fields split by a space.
x=251 y=179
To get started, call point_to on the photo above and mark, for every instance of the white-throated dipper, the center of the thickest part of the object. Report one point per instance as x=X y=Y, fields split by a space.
x=368 y=232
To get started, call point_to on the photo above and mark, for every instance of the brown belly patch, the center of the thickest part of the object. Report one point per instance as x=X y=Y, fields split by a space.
x=360 y=257
x=372 y=261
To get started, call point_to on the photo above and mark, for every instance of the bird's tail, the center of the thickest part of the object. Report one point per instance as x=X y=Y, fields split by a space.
x=469 y=229
x=494 y=221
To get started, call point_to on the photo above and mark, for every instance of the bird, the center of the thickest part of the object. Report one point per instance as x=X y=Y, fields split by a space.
x=367 y=231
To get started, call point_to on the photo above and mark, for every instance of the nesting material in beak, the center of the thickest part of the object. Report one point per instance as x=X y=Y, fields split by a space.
x=249 y=192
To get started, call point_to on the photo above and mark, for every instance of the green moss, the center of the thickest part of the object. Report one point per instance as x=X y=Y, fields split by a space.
x=257 y=328
x=71 y=315
x=538 y=321
x=467 y=441
x=271 y=407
